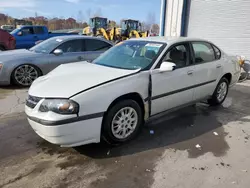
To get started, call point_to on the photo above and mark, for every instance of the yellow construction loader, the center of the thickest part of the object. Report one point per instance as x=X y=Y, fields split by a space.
x=98 y=27
x=132 y=29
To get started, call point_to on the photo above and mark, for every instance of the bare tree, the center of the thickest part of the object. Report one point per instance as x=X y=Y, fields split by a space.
x=155 y=29
x=98 y=12
x=150 y=20
x=80 y=17
x=89 y=13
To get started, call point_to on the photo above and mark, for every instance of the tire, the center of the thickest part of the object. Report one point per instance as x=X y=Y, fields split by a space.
x=25 y=74
x=217 y=99
x=2 y=48
x=109 y=127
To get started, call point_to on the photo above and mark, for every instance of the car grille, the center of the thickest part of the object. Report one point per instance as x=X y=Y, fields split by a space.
x=32 y=101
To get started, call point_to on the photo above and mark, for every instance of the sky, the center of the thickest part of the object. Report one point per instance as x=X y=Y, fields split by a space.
x=112 y=9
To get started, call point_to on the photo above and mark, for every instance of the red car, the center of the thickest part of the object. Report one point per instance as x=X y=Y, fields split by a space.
x=7 y=41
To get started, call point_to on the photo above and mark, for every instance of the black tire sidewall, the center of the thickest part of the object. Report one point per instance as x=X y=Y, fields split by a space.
x=13 y=75
x=214 y=100
x=106 y=127
x=2 y=48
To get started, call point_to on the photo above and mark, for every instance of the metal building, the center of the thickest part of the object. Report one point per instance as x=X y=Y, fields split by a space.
x=224 y=22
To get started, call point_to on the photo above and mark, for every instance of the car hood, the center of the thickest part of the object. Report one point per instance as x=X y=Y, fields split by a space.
x=70 y=79
x=17 y=54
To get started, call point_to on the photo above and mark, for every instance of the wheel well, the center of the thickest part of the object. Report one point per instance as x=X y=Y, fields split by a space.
x=11 y=75
x=2 y=46
x=134 y=96
x=228 y=76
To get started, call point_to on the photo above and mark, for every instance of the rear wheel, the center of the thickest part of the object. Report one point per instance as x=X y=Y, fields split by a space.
x=220 y=93
x=122 y=122
x=24 y=75
x=2 y=48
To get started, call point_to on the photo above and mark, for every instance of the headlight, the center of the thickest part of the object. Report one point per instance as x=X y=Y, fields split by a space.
x=60 y=106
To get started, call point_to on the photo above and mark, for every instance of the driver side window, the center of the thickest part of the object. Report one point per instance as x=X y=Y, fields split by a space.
x=27 y=31
x=178 y=54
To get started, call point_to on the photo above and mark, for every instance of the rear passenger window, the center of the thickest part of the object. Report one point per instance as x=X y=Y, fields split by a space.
x=217 y=52
x=71 y=46
x=96 y=45
x=38 y=30
x=203 y=52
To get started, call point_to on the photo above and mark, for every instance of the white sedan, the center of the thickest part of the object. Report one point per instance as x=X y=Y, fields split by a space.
x=114 y=96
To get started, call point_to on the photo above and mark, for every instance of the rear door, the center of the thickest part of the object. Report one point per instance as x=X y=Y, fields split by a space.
x=94 y=48
x=72 y=52
x=208 y=69
x=39 y=33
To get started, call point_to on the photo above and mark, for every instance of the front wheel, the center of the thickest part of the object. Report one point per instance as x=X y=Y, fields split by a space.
x=122 y=122
x=220 y=93
x=24 y=75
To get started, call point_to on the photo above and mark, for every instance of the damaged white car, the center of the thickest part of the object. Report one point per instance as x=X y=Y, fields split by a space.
x=80 y=103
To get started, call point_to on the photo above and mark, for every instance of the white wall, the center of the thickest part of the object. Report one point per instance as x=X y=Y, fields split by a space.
x=173 y=18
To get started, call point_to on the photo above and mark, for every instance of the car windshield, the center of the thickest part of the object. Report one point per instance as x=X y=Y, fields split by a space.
x=47 y=46
x=131 y=55
x=14 y=31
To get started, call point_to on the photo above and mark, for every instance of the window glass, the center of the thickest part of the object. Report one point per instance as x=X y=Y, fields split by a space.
x=96 y=45
x=47 y=46
x=178 y=55
x=71 y=46
x=27 y=30
x=203 y=52
x=38 y=30
x=130 y=55
x=217 y=52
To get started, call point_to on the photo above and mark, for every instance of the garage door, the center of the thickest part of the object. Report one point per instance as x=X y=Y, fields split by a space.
x=224 y=22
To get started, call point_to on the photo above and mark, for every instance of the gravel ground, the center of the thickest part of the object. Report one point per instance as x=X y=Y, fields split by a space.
x=194 y=147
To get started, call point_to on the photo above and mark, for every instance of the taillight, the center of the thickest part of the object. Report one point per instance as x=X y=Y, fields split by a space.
x=11 y=38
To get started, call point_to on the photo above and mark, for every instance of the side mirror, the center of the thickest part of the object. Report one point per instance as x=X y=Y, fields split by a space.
x=58 y=52
x=20 y=33
x=167 y=66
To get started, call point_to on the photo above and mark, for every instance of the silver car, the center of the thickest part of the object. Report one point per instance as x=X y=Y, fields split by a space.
x=23 y=66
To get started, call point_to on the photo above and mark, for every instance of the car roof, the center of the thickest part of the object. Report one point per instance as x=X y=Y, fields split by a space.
x=77 y=36
x=168 y=40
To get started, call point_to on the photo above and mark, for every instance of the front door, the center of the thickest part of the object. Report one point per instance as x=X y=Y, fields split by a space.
x=173 y=89
x=72 y=52
x=27 y=39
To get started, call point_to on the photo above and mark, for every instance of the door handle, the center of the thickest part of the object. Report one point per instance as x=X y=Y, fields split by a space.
x=190 y=72
x=218 y=66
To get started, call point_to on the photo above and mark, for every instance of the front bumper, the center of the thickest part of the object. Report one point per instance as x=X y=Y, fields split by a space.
x=66 y=132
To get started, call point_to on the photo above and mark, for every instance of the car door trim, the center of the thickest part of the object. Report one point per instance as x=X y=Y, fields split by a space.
x=180 y=90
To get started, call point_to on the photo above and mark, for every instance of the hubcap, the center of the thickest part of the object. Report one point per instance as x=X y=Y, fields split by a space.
x=222 y=91
x=25 y=75
x=124 y=122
